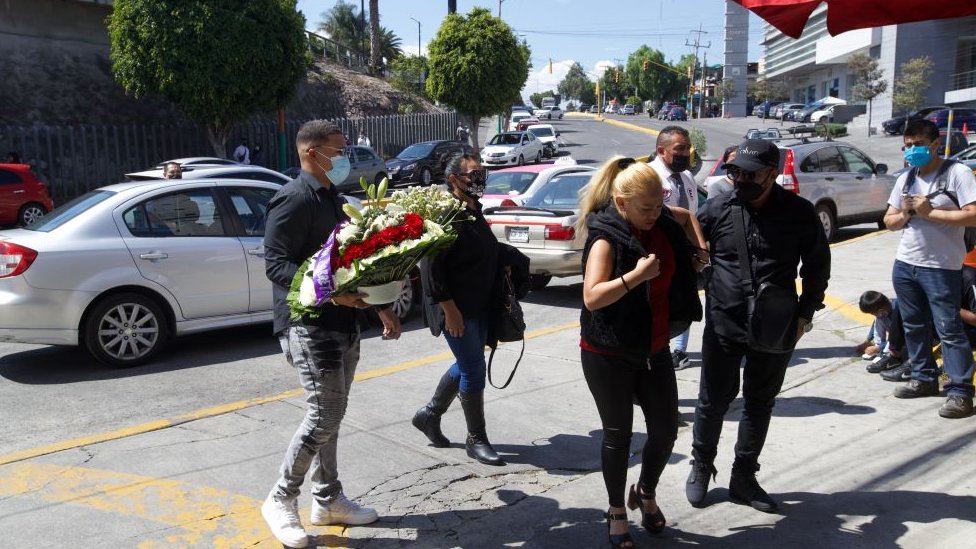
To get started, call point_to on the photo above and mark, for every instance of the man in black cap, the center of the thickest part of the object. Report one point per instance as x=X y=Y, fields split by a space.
x=777 y=230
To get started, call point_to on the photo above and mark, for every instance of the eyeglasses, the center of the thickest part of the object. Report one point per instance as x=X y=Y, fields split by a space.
x=623 y=163
x=738 y=174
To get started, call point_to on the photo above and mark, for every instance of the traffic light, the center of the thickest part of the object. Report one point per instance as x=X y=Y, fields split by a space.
x=616 y=76
x=644 y=65
x=550 y=65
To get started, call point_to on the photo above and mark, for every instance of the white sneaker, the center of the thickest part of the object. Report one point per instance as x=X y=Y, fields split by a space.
x=342 y=511
x=282 y=518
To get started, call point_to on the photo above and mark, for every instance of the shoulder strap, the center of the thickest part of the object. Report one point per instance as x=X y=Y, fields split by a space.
x=941 y=181
x=745 y=271
x=909 y=180
x=514 y=368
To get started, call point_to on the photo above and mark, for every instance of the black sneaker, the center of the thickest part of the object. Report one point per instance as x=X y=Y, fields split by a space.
x=902 y=373
x=745 y=489
x=680 y=360
x=916 y=389
x=697 y=484
x=884 y=362
x=956 y=407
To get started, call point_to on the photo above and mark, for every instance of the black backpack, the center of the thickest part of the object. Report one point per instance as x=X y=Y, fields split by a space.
x=969 y=237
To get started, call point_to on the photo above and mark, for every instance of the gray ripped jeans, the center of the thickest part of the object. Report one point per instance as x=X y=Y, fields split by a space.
x=326 y=363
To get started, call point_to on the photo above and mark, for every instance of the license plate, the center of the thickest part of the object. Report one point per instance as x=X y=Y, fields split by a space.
x=518 y=234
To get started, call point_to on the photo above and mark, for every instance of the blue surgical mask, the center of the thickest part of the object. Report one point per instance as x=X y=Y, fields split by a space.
x=340 y=169
x=918 y=155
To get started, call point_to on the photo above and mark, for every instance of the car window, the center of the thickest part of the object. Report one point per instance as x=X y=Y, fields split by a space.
x=830 y=160
x=417 y=150
x=8 y=177
x=251 y=208
x=856 y=162
x=68 y=211
x=810 y=164
x=541 y=132
x=183 y=214
x=508 y=182
x=560 y=192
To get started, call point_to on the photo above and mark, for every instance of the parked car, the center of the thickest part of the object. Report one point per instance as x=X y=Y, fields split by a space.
x=764 y=109
x=518 y=117
x=967 y=156
x=23 y=197
x=513 y=186
x=957 y=142
x=677 y=113
x=548 y=113
x=584 y=107
x=237 y=171
x=780 y=110
x=549 y=137
x=544 y=228
x=896 y=125
x=424 y=162
x=845 y=186
x=511 y=149
x=525 y=123
x=820 y=104
x=192 y=161
x=960 y=117
x=594 y=109
x=629 y=109
x=662 y=114
x=768 y=133
x=823 y=115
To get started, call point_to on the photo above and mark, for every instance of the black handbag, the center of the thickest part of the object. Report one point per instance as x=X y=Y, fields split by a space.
x=771 y=320
x=507 y=324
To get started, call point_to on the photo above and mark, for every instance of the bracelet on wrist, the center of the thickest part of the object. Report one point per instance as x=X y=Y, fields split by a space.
x=624 y=282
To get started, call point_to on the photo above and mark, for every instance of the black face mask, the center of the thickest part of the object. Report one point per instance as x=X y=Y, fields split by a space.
x=747 y=191
x=679 y=163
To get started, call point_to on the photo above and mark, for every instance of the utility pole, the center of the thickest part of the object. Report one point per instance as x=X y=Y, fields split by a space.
x=697 y=45
x=451 y=6
x=418 y=37
x=362 y=22
x=500 y=8
x=701 y=89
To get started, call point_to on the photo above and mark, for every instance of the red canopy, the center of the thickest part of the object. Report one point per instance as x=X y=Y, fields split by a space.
x=790 y=16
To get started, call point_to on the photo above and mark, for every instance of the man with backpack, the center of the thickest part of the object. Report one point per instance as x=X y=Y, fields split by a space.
x=933 y=203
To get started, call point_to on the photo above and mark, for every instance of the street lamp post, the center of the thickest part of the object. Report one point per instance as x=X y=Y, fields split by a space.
x=418 y=37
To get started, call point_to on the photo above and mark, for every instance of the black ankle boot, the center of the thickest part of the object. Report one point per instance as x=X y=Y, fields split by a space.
x=745 y=489
x=477 y=442
x=428 y=418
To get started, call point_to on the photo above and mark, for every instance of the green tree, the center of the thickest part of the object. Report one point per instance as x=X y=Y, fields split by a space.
x=408 y=73
x=577 y=85
x=220 y=61
x=613 y=83
x=476 y=65
x=911 y=84
x=536 y=98
x=869 y=80
x=344 y=24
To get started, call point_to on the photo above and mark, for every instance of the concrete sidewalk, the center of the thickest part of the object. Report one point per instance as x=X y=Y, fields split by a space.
x=852 y=466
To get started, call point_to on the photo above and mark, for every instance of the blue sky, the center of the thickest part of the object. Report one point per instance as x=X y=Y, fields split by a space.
x=572 y=30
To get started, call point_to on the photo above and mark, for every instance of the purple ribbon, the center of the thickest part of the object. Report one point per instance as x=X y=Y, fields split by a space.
x=322 y=279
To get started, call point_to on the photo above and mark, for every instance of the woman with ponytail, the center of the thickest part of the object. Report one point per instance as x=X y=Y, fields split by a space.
x=639 y=289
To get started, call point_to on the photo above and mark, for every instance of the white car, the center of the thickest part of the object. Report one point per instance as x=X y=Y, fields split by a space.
x=235 y=171
x=512 y=149
x=825 y=114
x=518 y=116
x=549 y=137
x=514 y=186
x=548 y=113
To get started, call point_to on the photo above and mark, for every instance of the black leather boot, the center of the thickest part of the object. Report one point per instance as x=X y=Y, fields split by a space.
x=745 y=489
x=477 y=443
x=428 y=418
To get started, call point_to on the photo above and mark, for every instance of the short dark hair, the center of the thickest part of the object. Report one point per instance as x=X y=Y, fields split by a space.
x=667 y=134
x=453 y=166
x=315 y=131
x=728 y=151
x=871 y=302
x=921 y=127
x=168 y=164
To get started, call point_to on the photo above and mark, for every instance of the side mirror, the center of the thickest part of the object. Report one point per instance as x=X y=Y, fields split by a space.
x=880 y=169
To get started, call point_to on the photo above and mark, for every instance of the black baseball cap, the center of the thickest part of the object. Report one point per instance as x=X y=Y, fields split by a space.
x=754 y=155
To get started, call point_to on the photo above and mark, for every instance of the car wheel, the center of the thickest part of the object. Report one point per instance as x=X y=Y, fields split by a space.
x=379 y=178
x=539 y=282
x=125 y=330
x=30 y=213
x=521 y=161
x=823 y=119
x=538 y=157
x=425 y=177
x=827 y=219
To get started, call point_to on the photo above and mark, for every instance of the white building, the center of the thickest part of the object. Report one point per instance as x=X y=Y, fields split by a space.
x=815 y=65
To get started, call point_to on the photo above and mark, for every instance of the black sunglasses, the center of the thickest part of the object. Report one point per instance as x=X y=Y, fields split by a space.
x=738 y=174
x=476 y=176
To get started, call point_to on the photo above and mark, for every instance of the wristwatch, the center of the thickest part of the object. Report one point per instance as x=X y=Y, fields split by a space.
x=805 y=324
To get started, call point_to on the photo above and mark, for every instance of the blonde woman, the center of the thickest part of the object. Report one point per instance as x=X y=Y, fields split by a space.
x=639 y=288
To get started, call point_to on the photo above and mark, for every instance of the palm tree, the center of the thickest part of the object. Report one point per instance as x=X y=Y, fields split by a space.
x=389 y=45
x=374 y=36
x=343 y=25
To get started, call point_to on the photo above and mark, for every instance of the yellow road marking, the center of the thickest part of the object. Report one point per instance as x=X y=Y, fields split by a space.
x=199 y=516
x=628 y=125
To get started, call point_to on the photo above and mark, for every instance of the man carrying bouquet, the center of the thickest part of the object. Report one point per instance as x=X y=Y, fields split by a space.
x=324 y=349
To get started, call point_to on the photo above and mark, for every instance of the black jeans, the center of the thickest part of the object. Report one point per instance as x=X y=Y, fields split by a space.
x=762 y=379
x=616 y=384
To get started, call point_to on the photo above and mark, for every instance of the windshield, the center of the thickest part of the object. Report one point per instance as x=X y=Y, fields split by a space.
x=418 y=150
x=506 y=139
x=509 y=182
x=68 y=211
x=541 y=132
x=562 y=192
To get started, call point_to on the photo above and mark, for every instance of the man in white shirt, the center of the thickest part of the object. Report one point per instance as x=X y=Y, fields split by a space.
x=242 y=154
x=932 y=204
x=363 y=140
x=672 y=160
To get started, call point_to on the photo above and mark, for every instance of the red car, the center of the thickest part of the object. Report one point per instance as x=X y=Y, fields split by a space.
x=23 y=197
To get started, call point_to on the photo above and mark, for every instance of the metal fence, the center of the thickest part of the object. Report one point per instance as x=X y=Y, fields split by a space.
x=75 y=159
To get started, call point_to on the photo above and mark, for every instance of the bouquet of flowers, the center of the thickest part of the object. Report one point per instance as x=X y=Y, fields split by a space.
x=377 y=246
